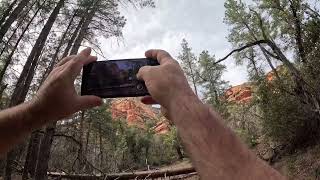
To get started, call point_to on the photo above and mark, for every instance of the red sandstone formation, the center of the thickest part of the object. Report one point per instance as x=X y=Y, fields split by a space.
x=239 y=94
x=137 y=113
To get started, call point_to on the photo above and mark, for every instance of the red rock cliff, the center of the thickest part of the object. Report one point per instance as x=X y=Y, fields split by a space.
x=239 y=94
x=137 y=113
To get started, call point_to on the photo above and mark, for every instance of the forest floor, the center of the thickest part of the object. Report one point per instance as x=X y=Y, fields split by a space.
x=303 y=164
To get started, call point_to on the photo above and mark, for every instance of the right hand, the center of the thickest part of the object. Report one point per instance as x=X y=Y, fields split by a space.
x=166 y=83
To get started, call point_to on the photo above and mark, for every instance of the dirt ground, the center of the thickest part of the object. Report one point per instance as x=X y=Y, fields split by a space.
x=302 y=165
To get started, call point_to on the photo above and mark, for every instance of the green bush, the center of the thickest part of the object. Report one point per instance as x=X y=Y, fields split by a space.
x=284 y=118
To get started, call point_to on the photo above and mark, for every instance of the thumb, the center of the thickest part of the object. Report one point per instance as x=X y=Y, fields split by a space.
x=87 y=102
x=143 y=72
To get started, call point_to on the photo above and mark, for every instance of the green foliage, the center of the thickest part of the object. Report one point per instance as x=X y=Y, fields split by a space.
x=248 y=138
x=245 y=119
x=140 y=147
x=188 y=62
x=285 y=118
x=205 y=76
x=210 y=79
x=284 y=103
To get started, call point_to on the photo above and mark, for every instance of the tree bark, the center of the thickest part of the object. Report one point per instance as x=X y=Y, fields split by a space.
x=298 y=31
x=82 y=32
x=7 y=12
x=81 y=155
x=32 y=155
x=88 y=138
x=73 y=37
x=27 y=73
x=101 y=148
x=13 y=16
x=56 y=54
x=19 y=24
x=44 y=152
x=9 y=58
x=9 y=163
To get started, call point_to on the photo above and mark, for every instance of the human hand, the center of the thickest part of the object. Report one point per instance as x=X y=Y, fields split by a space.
x=57 y=97
x=166 y=83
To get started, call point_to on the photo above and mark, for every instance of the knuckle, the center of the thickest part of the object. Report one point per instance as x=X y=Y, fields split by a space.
x=164 y=54
x=145 y=69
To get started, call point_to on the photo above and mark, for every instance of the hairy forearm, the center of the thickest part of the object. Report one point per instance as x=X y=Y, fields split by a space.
x=215 y=150
x=15 y=124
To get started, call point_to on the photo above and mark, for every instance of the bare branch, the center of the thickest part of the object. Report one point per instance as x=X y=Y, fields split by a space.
x=242 y=48
x=315 y=13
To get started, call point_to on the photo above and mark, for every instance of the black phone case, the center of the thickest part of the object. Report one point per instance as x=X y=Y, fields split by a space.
x=136 y=89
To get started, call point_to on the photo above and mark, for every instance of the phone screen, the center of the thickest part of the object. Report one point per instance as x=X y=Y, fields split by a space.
x=114 y=78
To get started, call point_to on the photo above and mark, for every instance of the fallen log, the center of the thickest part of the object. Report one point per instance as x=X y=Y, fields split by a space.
x=123 y=176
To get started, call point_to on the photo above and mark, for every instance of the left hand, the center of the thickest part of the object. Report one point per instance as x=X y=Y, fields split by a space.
x=57 y=97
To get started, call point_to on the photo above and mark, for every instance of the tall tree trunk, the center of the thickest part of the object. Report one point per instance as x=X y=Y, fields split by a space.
x=9 y=163
x=33 y=149
x=32 y=155
x=253 y=62
x=44 y=152
x=81 y=155
x=7 y=12
x=88 y=137
x=27 y=74
x=31 y=161
x=295 y=7
x=13 y=16
x=82 y=32
x=19 y=24
x=9 y=58
x=46 y=143
x=193 y=78
x=73 y=37
x=101 y=148
x=56 y=54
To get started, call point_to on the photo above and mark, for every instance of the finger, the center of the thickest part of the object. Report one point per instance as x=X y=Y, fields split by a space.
x=84 y=57
x=65 y=60
x=73 y=69
x=160 y=55
x=89 y=60
x=81 y=58
x=86 y=52
x=143 y=72
x=148 y=100
x=87 y=102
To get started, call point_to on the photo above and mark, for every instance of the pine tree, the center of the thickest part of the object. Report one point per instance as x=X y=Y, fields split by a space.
x=12 y=17
x=189 y=64
x=211 y=80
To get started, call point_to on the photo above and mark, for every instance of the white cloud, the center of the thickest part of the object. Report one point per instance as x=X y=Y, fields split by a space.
x=200 y=22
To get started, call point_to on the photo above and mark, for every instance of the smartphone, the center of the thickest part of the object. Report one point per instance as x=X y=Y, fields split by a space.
x=115 y=78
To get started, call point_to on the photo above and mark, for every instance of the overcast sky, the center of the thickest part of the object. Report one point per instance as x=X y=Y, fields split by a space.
x=164 y=27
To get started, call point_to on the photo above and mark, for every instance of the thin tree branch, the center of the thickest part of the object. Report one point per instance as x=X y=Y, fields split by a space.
x=242 y=48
